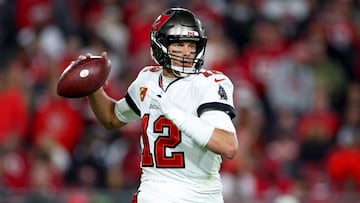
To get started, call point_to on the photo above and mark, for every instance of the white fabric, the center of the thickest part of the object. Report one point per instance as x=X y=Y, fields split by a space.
x=164 y=192
x=218 y=119
x=123 y=112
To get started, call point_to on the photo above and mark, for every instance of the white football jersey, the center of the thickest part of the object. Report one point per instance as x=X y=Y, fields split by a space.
x=168 y=154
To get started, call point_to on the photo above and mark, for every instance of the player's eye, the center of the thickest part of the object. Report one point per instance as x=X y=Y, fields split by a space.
x=192 y=46
x=178 y=45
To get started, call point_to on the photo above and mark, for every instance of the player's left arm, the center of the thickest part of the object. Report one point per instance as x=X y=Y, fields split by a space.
x=217 y=110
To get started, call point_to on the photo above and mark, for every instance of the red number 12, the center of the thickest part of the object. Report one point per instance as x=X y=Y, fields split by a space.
x=176 y=159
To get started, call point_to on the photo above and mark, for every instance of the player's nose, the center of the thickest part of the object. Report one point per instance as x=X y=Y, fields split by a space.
x=187 y=50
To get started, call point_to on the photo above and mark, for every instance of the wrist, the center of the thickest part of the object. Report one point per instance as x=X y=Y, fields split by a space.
x=192 y=126
x=198 y=130
x=99 y=92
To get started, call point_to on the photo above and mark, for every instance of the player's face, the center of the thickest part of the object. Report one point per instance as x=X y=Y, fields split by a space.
x=182 y=53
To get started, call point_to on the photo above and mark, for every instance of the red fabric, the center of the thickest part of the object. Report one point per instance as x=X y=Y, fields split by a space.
x=58 y=119
x=139 y=25
x=343 y=164
x=134 y=198
x=92 y=12
x=257 y=64
x=16 y=168
x=14 y=114
x=207 y=15
x=280 y=185
x=344 y=26
x=323 y=124
x=77 y=197
x=37 y=70
x=130 y=9
x=140 y=37
x=24 y=11
x=130 y=164
x=232 y=166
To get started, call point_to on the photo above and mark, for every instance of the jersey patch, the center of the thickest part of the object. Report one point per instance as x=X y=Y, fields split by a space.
x=142 y=93
x=222 y=93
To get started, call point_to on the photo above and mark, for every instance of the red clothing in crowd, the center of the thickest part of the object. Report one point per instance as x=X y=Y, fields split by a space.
x=60 y=120
x=343 y=166
x=257 y=64
x=324 y=124
x=30 y=11
x=15 y=169
x=139 y=32
x=13 y=114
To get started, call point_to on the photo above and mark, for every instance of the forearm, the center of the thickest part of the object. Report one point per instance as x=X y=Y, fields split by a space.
x=224 y=139
x=103 y=108
x=218 y=140
x=223 y=142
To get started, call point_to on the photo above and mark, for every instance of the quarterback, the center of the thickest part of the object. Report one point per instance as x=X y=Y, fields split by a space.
x=185 y=112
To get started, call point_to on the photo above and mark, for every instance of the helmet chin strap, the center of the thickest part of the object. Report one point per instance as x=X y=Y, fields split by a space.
x=179 y=74
x=180 y=71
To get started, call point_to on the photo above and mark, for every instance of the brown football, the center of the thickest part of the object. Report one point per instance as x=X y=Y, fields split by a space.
x=83 y=77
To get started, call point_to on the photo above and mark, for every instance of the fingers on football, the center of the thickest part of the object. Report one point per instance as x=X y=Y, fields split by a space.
x=106 y=83
x=81 y=57
x=104 y=55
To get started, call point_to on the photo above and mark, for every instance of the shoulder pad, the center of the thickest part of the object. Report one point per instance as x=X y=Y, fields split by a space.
x=151 y=69
x=213 y=76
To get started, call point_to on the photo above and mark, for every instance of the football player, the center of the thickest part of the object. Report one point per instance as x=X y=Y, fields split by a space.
x=185 y=111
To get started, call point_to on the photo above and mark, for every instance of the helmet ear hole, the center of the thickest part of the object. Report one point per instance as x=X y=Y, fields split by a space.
x=177 y=24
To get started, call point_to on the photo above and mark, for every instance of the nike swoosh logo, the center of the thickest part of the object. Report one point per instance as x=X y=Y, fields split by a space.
x=219 y=80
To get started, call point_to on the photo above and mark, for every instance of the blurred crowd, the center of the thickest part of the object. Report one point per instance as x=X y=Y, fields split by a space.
x=295 y=65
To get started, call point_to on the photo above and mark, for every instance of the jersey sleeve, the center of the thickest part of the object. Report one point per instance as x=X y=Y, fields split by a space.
x=217 y=94
x=124 y=112
x=136 y=91
x=132 y=96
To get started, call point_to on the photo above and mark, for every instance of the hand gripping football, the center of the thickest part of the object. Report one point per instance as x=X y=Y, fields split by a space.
x=83 y=77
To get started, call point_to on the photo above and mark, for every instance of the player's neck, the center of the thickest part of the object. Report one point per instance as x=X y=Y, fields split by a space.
x=168 y=73
x=165 y=80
